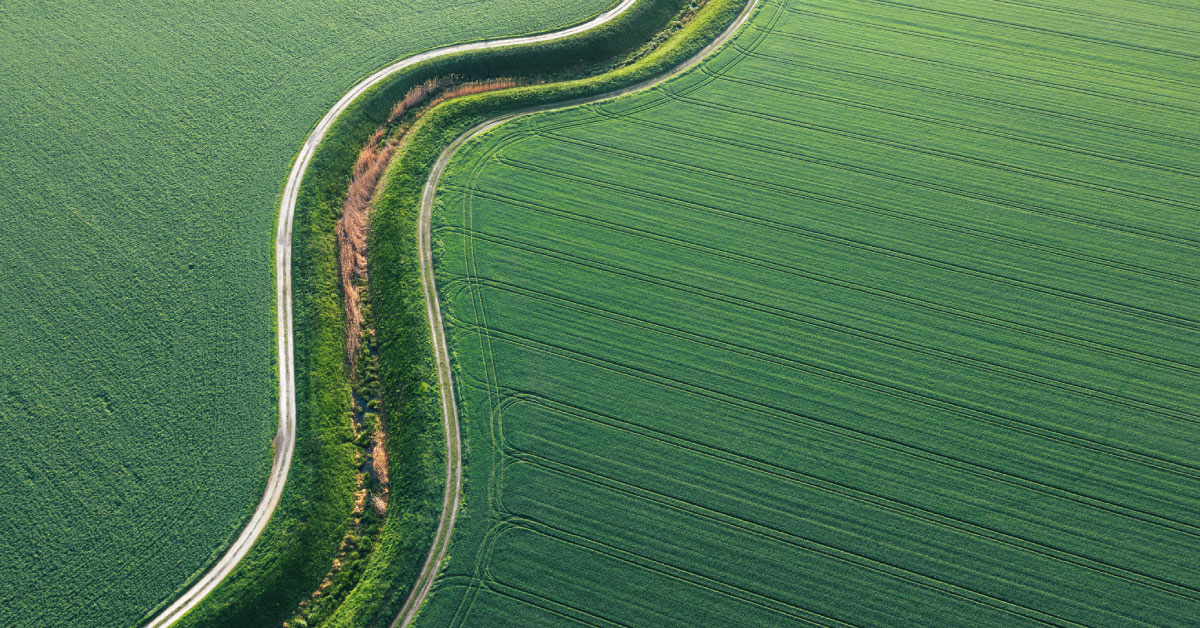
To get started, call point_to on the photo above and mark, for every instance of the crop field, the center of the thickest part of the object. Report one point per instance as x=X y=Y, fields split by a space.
x=144 y=149
x=884 y=316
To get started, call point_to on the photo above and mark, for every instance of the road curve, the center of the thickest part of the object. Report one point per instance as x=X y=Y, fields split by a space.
x=433 y=311
x=285 y=437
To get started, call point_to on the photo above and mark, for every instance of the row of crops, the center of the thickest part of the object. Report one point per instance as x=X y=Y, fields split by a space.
x=144 y=148
x=884 y=316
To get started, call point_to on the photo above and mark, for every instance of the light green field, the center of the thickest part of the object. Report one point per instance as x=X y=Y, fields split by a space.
x=145 y=145
x=886 y=316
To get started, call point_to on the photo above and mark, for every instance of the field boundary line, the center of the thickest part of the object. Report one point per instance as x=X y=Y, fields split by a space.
x=284 y=442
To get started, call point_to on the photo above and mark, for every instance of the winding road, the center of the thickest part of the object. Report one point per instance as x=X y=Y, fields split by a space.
x=285 y=438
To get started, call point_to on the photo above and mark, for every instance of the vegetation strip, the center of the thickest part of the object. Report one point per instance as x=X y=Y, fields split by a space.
x=368 y=417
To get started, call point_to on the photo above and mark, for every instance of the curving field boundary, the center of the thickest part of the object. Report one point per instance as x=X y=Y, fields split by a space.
x=454 y=469
x=285 y=437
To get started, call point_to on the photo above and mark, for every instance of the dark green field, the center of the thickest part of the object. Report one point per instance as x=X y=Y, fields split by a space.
x=144 y=149
x=885 y=316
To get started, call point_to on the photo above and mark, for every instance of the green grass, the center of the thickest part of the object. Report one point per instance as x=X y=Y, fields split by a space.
x=885 y=316
x=144 y=149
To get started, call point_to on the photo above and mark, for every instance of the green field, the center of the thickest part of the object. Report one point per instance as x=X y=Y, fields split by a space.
x=145 y=146
x=885 y=316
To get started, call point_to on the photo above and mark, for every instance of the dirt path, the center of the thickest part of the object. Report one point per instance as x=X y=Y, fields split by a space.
x=454 y=469
x=285 y=437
